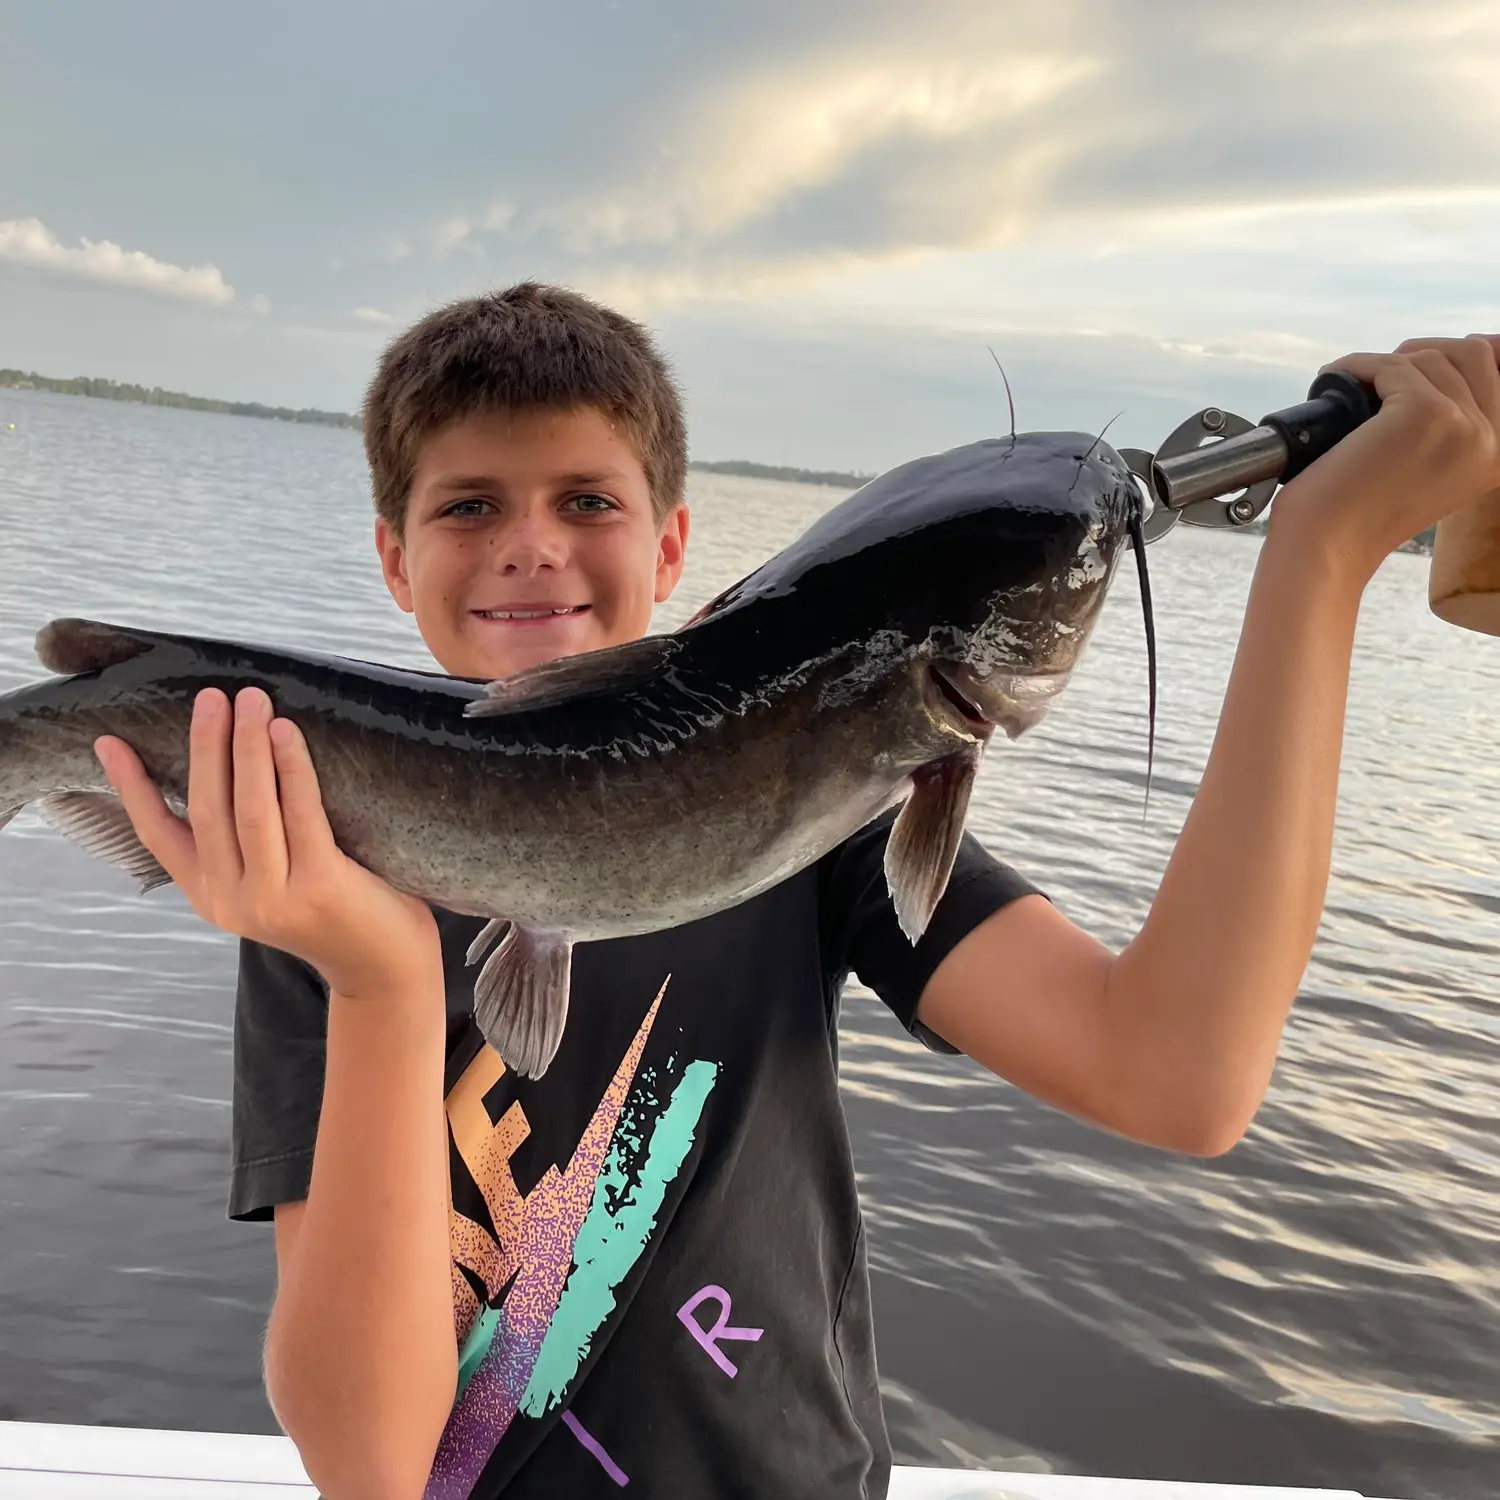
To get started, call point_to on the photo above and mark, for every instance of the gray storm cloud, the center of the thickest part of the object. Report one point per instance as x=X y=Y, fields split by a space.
x=954 y=126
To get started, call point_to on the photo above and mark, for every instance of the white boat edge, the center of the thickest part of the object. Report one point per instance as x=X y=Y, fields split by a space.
x=56 y=1461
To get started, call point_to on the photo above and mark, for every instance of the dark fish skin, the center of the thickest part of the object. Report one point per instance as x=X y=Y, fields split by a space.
x=498 y=815
x=657 y=782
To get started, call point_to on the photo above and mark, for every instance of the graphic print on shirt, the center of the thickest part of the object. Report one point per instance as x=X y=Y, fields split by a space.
x=552 y=1267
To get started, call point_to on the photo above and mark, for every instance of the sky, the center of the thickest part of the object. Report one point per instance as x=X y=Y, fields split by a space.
x=828 y=212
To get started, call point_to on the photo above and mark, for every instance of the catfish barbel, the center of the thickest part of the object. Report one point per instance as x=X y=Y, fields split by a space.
x=653 y=783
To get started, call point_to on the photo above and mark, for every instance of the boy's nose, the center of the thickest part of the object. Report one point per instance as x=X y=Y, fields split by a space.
x=531 y=544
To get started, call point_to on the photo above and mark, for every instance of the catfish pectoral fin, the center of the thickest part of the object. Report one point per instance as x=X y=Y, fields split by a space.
x=98 y=823
x=487 y=935
x=521 y=998
x=923 y=843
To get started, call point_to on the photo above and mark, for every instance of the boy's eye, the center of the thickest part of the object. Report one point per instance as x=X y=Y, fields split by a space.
x=472 y=507
x=592 y=503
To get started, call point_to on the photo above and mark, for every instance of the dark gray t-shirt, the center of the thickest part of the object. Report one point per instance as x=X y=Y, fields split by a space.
x=659 y=1260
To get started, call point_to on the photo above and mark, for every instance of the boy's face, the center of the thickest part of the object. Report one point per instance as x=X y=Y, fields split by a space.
x=529 y=536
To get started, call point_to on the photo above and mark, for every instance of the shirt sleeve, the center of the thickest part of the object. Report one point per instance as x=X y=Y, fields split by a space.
x=861 y=934
x=280 y=1044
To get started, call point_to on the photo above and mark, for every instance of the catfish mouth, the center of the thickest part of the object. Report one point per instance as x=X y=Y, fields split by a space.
x=947 y=678
x=982 y=701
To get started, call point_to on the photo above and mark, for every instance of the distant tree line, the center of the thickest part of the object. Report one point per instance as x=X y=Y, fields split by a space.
x=114 y=390
x=780 y=471
x=1422 y=542
x=111 y=390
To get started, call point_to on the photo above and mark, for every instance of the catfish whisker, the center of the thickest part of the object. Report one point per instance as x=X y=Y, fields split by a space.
x=1009 y=398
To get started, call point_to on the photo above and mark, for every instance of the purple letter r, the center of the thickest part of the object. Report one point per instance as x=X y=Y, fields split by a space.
x=710 y=1337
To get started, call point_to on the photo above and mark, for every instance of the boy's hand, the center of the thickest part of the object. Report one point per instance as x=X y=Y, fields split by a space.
x=1433 y=448
x=263 y=864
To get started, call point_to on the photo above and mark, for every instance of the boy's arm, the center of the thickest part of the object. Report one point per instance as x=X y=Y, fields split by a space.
x=1173 y=1041
x=362 y=1360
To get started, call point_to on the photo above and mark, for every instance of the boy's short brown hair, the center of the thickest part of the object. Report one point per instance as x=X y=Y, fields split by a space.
x=528 y=348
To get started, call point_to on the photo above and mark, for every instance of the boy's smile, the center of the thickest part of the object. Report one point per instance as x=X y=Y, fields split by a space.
x=530 y=536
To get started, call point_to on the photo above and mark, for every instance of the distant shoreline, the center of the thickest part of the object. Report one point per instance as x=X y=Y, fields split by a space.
x=110 y=390
x=99 y=389
x=140 y=395
x=1421 y=544
x=748 y=470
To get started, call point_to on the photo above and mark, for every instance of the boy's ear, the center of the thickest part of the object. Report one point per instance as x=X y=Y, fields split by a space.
x=671 y=549
x=393 y=563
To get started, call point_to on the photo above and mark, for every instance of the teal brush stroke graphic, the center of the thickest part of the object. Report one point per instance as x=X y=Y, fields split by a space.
x=614 y=1234
x=476 y=1346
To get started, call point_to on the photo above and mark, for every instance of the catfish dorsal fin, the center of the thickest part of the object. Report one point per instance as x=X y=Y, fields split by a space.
x=613 y=669
x=72 y=646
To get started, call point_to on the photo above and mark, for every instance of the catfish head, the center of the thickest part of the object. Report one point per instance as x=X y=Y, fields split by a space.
x=1019 y=545
x=980 y=572
x=1016 y=541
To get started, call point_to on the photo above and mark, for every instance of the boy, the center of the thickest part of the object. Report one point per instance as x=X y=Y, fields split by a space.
x=648 y=1266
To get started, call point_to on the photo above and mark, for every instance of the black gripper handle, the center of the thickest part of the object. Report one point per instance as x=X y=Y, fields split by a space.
x=1336 y=404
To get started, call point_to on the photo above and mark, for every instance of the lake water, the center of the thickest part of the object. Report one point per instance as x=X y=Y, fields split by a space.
x=1319 y=1307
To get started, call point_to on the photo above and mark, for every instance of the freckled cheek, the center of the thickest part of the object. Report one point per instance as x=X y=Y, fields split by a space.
x=453 y=577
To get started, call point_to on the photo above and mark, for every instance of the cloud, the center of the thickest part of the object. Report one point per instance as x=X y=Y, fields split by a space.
x=765 y=140
x=453 y=233
x=28 y=242
x=799 y=157
x=1273 y=188
x=459 y=232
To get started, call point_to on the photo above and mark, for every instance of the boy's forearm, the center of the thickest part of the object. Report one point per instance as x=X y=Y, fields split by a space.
x=361 y=1363
x=1196 y=1003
